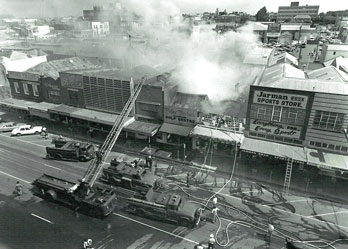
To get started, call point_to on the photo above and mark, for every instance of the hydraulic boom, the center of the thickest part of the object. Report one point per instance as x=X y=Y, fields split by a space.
x=96 y=165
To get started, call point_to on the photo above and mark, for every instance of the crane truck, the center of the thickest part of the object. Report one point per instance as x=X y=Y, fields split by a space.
x=83 y=195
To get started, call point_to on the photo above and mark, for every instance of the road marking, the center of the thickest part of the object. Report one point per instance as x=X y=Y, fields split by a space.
x=15 y=177
x=35 y=141
x=22 y=140
x=284 y=202
x=158 y=229
x=42 y=218
x=319 y=215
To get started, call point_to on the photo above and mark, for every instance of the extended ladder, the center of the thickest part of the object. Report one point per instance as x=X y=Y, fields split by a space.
x=96 y=165
x=288 y=173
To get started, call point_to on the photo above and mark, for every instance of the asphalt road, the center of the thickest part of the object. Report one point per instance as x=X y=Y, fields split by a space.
x=30 y=222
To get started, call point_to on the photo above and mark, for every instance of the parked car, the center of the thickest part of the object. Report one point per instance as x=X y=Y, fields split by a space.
x=27 y=130
x=9 y=126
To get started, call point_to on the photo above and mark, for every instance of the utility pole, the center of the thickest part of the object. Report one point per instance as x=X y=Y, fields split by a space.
x=299 y=36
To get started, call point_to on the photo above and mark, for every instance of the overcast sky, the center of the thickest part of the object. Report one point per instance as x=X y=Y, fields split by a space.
x=34 y=8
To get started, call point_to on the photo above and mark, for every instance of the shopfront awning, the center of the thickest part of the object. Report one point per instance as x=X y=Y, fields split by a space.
x=327 y=160
x=267 y=148
x=65 y=110
x=216 y=134
x=179 y=130
x=17 y=103
x=41 y=109
x=142 y=128
x=95 y=116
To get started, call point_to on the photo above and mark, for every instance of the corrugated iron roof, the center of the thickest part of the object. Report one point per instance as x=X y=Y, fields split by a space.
x=312 y=85
x=191 y=101
x=337 y=47
x=283 y=151
x=52 y=68
x=278 y=72
x=180 y=130
x=331 y=160
x=329 y=73
x=282 y=58
x=214 y=133
x=63 y=109
x=147 y=129
x=125 y=74
x=258 y=56
x=95 y=116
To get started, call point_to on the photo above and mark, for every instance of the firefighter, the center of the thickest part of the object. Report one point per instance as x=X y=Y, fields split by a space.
x=199 y=246
x=87 y=244
x=188 y=179
x=211 y=242
x=148 y=160
x=270 y=230
x=214 y=212
x=99 y=156
x=215 y=201
x=18 y=189
x=198 y=215
x=44 y=133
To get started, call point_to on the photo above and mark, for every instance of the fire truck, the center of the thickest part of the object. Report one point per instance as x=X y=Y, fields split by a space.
x=99 y=203
x=130 y=176
x=83 y=195
x=71 y=150
x=164 y=206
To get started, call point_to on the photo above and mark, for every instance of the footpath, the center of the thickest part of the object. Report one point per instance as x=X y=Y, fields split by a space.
x=220 y=165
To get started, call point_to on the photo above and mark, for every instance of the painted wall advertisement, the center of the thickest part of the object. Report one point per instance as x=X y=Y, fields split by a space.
x=275 y=128
x=177 y=115
x=280 y=99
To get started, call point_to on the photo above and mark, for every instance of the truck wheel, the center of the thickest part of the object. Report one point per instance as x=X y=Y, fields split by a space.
x=58 y=157
x=140 y=213
x=82 y=159
x=37 y=133
x=184 y=222
x=50 y=195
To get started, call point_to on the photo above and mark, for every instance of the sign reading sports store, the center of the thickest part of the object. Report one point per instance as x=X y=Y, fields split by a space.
x=275 y=128
x=280 y=99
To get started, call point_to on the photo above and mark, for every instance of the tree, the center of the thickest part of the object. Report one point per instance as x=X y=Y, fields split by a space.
x=262 y=15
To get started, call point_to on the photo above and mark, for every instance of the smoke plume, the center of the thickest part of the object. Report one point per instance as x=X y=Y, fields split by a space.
x=206 y=62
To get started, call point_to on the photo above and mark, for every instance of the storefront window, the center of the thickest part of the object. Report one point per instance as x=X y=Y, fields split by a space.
x=278 y=114
x=16 y=87
x=26 y=90
x=328 y=120
x=35 y=90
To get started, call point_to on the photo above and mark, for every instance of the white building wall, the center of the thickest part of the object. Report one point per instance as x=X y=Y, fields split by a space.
x=100 y=29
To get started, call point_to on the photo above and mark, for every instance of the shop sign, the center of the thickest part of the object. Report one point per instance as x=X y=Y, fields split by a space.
x=280 y=99
x=275 y=128
x=178 y=115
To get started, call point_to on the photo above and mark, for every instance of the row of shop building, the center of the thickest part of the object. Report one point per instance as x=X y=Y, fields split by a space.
x=289 y=115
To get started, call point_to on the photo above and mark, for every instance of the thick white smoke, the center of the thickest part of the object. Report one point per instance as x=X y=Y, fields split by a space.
x=205 y=62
